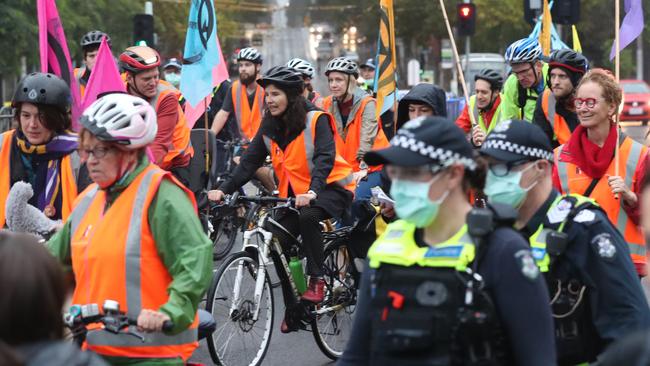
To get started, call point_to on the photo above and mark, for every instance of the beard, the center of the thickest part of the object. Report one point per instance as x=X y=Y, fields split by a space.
x=247 y=79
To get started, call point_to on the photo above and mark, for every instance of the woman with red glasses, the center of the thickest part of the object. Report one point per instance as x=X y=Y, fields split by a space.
x=586 y=164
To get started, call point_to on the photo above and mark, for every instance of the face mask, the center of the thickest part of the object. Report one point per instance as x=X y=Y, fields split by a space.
x=506 y=189
x=412 y=201
x=174 y=79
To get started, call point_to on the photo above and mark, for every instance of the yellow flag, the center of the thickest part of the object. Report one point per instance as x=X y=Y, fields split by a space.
x=545 y=34
x=386 y=88
x=576 y=41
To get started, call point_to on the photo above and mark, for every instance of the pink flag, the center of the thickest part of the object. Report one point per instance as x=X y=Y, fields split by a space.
x=104 y=78
x=219 y=74
x=55 y=57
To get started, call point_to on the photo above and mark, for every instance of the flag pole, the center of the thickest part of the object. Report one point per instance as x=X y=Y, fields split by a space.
x=617 y=73
x=205 y=120
x=458 y=66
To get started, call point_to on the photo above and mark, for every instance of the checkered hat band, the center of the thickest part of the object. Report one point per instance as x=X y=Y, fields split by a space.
x=531 y=152
x=445 y=157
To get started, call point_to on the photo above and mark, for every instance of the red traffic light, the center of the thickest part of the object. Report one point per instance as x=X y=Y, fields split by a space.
x=465 y=11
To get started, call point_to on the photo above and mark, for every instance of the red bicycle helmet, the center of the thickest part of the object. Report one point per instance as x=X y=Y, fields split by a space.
x=139 y=58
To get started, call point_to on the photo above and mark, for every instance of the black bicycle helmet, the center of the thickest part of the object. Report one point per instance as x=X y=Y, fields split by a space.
x=491 y=76
x=283 y=77
x=94 y=38
x=42 y=88
x=569 y=59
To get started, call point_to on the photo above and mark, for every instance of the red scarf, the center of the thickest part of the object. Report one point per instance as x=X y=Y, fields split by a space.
x=589 y=157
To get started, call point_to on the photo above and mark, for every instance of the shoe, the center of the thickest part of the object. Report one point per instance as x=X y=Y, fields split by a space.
x=285 y=328
x=315 y=291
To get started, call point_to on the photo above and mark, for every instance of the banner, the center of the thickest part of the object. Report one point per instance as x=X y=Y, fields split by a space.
x=632 y=25
x=545 y=34
x=385 y=77
x=104 y=77
x=576 y=41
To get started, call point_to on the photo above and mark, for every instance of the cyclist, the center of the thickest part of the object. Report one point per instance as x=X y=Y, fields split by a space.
x=555 y=112
x=368 y=74
x=308 y=73
x=158 y=264
x=172 y=72
x=356 y=122
x=42 y=150
x=90 y=43
x=439 y=291
x=526 y=82
x=172 y=148
x=485 y=105
x=303 y=144
x=586 y=164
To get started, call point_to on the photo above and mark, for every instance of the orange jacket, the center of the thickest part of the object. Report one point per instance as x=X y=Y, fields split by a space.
x=561 y=130
x=181 y=144
x=293 y=166
x=573 y=180
x=353 y=135
x=124 y=265
x=68 y=177
x=78 y=73
x=248 y=118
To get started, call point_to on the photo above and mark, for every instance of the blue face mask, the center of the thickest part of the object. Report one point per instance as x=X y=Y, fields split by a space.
x=174 y=79
x=412 y=201
x=506 y=189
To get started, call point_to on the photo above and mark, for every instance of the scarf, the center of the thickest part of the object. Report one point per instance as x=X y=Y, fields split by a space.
x=589 y=157
x=51 y=152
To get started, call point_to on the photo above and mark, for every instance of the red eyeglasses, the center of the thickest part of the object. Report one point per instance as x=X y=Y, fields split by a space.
x=589 y=102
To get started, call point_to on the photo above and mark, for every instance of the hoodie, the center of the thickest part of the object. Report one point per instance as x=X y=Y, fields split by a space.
x=424 y=93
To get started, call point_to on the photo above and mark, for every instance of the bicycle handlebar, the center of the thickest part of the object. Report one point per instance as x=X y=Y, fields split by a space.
x=233 y=143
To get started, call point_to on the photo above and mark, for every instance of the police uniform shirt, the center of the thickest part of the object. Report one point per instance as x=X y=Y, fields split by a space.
x=514 y=284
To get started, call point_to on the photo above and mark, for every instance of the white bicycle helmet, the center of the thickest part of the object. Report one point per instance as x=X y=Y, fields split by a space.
x=302 y=67
x=344 y=65
x=523 y=50
x=121 y=118
x=250 y=54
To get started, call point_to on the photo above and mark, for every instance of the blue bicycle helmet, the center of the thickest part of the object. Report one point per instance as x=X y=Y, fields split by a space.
x=523 y=50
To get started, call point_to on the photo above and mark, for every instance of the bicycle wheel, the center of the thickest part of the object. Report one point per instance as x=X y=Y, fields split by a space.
x=239 y=339
x=332 y=325
x=224 y=236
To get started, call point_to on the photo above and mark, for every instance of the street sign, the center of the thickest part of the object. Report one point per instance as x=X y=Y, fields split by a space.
x=446 y=54
x=413 y=72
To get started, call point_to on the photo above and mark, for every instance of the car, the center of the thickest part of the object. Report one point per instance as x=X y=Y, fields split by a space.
x=636 y=95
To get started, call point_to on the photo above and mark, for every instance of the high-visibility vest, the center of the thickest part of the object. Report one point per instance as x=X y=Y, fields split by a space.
x=248 y=117
x=478 y=117
x=574 y=180
x=78 y=73
x=294 y=165
x=69 y=171
x=124 y=265
x=181 y=144
x=352 y=138
x=561 y=130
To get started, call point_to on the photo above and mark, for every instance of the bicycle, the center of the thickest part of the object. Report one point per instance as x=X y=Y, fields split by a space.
x=241 y=298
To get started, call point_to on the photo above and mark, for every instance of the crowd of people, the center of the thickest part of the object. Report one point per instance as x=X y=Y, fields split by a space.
x=516 y=235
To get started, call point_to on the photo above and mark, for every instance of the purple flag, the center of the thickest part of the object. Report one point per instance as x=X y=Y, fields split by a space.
x=632 y=25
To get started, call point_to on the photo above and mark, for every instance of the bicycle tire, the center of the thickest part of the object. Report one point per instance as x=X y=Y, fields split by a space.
x=341 y=289
x=223 y=237
x=216 y=300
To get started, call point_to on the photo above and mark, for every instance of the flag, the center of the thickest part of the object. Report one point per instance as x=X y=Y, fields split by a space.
x=219 y=74
x=55 y=57
x=576 y=41
x=632 y=25
x=545 y=34
x=201 y=54
x=104 y=78
x=385 y=85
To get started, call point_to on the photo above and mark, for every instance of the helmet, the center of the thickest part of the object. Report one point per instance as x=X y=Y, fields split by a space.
x=121 y=118
x=523 y=50
x=282 y=76
x=139 y=58
x=569 y=59
x=250 y=54
x=302 y=67
x=173 y=62
x=491 y=76
x=344 y=65
x=370 y=63
x=42 y=88
x=94 y=38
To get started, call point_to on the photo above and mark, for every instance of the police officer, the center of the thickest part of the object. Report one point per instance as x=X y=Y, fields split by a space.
x=596 y=296
x=440 y=289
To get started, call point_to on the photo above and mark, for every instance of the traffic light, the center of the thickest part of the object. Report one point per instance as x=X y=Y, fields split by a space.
x=532 y=9
x=466 y=14
x=566 y=11
x=143 y=29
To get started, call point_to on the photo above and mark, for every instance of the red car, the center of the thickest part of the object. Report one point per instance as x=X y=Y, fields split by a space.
x=636 y=94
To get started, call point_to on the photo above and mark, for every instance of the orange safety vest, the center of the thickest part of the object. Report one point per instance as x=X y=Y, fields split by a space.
x=181 y=143
x=78 y=73
x=574 y=180
x=69 y=171
x=353 y=135
x=124 y=265
x=561 y=130
x=248 y=118
x=294 y=165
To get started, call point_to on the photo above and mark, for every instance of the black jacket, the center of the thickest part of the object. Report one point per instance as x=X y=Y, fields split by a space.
x=428 y=94
x=540 y=119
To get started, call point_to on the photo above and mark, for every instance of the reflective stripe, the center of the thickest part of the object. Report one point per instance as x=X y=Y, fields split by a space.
x=630 y=166
x=238 y=107
x=309 y=141
x=80 y=209
x=550 y=106
x=104 y=338
x=637 y=249
x=75 y=163
x=159 y=90
x=562 y=170
x=477 y=116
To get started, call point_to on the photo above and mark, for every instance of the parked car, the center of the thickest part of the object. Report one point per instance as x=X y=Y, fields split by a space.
x=636 y=95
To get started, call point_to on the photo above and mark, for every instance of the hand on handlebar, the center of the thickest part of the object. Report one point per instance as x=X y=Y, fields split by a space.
x=216 y=195
x=151 y=321
x=304 y=200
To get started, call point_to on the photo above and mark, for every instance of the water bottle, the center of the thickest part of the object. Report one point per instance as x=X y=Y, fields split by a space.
x=295 y=265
